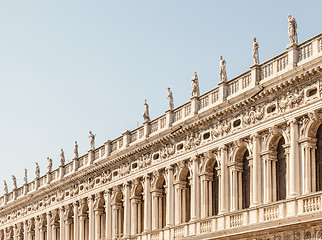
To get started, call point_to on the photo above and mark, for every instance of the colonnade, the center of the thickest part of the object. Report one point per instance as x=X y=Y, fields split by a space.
x=229 y=178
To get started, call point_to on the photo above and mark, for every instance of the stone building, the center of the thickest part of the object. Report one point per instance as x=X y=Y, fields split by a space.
x=242 y=161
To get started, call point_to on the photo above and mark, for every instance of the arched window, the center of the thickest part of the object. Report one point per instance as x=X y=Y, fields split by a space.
x=318 y=159
x=117 y=215
x=215 y=191
x=138 y=210
x=281 y=171
x=246 y=180
x=159 y=201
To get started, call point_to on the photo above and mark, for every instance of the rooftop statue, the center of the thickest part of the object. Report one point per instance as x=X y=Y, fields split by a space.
x=25 y=178
x=50 y=164
x=195 y=85
x=222 y=71
x=76 y=149
x=146 y=114
x=292 y=29
x=62 y=157
x=170 y=98
x=14 y=180
x=92 y=140
x=255 y=52
x=5 y=187
x=37 y=171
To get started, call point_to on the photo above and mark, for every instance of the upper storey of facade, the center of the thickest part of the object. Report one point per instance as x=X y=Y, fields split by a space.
x=274 y=100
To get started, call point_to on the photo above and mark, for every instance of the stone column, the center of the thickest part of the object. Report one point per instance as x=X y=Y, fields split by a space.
x=269 y=180
x=170 y=197
x=76 y=221
x=134 y=215
x=234 y=186
x=206 y=194
x=82 y=222
x=42 y=227
x=108 y=212
x=68 y=223
x=25 y=227
x=91 y=219
x=61 y=223
x=98 y=213
x=224 y=181
x=195 y=210
x=294 y=160
x=147 y=203
x=308 y=167
x=257 y=171
x=37 y=228
x=127 y=209
x=178 y=214
x=155 y=216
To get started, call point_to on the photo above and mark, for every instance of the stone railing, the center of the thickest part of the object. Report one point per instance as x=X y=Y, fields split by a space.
x=239 y=83
x=292 y=209
x=236 y=87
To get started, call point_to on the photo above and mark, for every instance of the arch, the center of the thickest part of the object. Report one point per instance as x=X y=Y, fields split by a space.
x=210 y=164
x=271 y=141
x=138 y=208
x=318 y=158
x=160 y=200
x=310 y=126
x=160 y=182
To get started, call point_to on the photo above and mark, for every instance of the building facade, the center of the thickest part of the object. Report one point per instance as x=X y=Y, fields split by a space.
x=242 y=161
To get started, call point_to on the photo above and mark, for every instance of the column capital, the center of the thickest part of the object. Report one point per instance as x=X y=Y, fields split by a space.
x=292 y=121
x=223 y=148
x=255 y=136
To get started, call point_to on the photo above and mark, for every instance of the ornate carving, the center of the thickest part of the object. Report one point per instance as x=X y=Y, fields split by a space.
x=192 y=141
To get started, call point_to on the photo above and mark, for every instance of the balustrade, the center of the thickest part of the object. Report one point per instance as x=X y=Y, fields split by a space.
x=312 y=204
x=305 y=51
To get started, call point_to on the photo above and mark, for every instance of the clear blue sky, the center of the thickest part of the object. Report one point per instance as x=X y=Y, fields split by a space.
x=67 y=67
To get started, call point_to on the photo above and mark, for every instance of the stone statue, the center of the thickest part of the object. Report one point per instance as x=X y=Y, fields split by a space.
x=195 y=85
x=14 y=180
x=170 y=98
x=50 y=164
x=92 y=140
x=37 y=171
x=25 y=178
x=255 y=52
x=222 y=71
x=146 y=114
x=292 y=29
x=5 y=187
x=76 y=149
x=62 y=157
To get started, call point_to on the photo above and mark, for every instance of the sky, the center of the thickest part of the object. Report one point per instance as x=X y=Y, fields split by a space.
x=67 y=67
